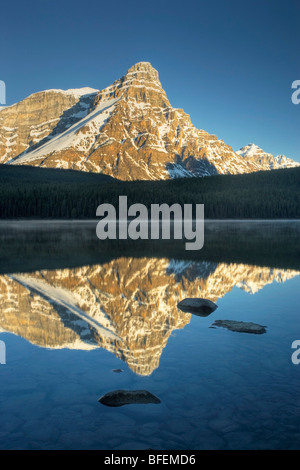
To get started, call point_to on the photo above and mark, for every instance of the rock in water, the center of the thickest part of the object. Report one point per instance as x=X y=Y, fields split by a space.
x=240 y=326
x=128 y=397
x=201 y=307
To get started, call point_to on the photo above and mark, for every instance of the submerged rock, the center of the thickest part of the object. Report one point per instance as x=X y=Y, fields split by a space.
x=201 y=307
x=128 y=397
x=240 y=326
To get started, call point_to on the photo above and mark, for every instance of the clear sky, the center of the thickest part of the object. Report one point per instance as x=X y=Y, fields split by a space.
x=228 y=63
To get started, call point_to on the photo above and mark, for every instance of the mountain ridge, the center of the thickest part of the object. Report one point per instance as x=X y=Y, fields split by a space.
x=266 y=160
x=128 y=130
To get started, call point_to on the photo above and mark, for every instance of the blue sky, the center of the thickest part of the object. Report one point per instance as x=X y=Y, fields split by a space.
x=228 y=64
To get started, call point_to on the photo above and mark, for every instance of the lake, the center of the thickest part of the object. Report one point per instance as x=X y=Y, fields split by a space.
x=80 y=318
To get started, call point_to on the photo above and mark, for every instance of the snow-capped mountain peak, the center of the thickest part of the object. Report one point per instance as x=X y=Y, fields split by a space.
x=266 y=161
x=250 y=150
x=128 y=130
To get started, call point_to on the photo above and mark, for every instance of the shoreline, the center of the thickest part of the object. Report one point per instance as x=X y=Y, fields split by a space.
x=4 y=222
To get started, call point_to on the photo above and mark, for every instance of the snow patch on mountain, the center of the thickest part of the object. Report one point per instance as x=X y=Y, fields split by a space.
x=78 y=92
x=72 y=137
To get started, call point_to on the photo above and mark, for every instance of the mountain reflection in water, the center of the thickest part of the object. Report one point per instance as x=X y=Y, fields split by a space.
x=127 y=306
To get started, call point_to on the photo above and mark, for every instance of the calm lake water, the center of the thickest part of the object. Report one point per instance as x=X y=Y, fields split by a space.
x=73 y=310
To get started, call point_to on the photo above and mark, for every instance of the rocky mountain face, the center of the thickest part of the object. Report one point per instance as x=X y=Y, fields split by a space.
x=37 y=119
x=129 y=131
x=266 y=161
x=127 y=306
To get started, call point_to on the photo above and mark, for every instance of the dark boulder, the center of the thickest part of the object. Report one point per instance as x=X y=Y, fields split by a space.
x=128 y=397
x=201 y=307
x=240 y=326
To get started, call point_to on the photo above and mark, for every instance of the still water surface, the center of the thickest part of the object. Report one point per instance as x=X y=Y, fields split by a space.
x=72 y=312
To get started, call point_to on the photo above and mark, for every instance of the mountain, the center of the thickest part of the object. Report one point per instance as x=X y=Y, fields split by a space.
x=253 y=153
x=129 y=131
x=35 y=120
x=127 y=306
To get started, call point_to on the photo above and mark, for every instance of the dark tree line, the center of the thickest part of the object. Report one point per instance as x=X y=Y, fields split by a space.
x=49 y=193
